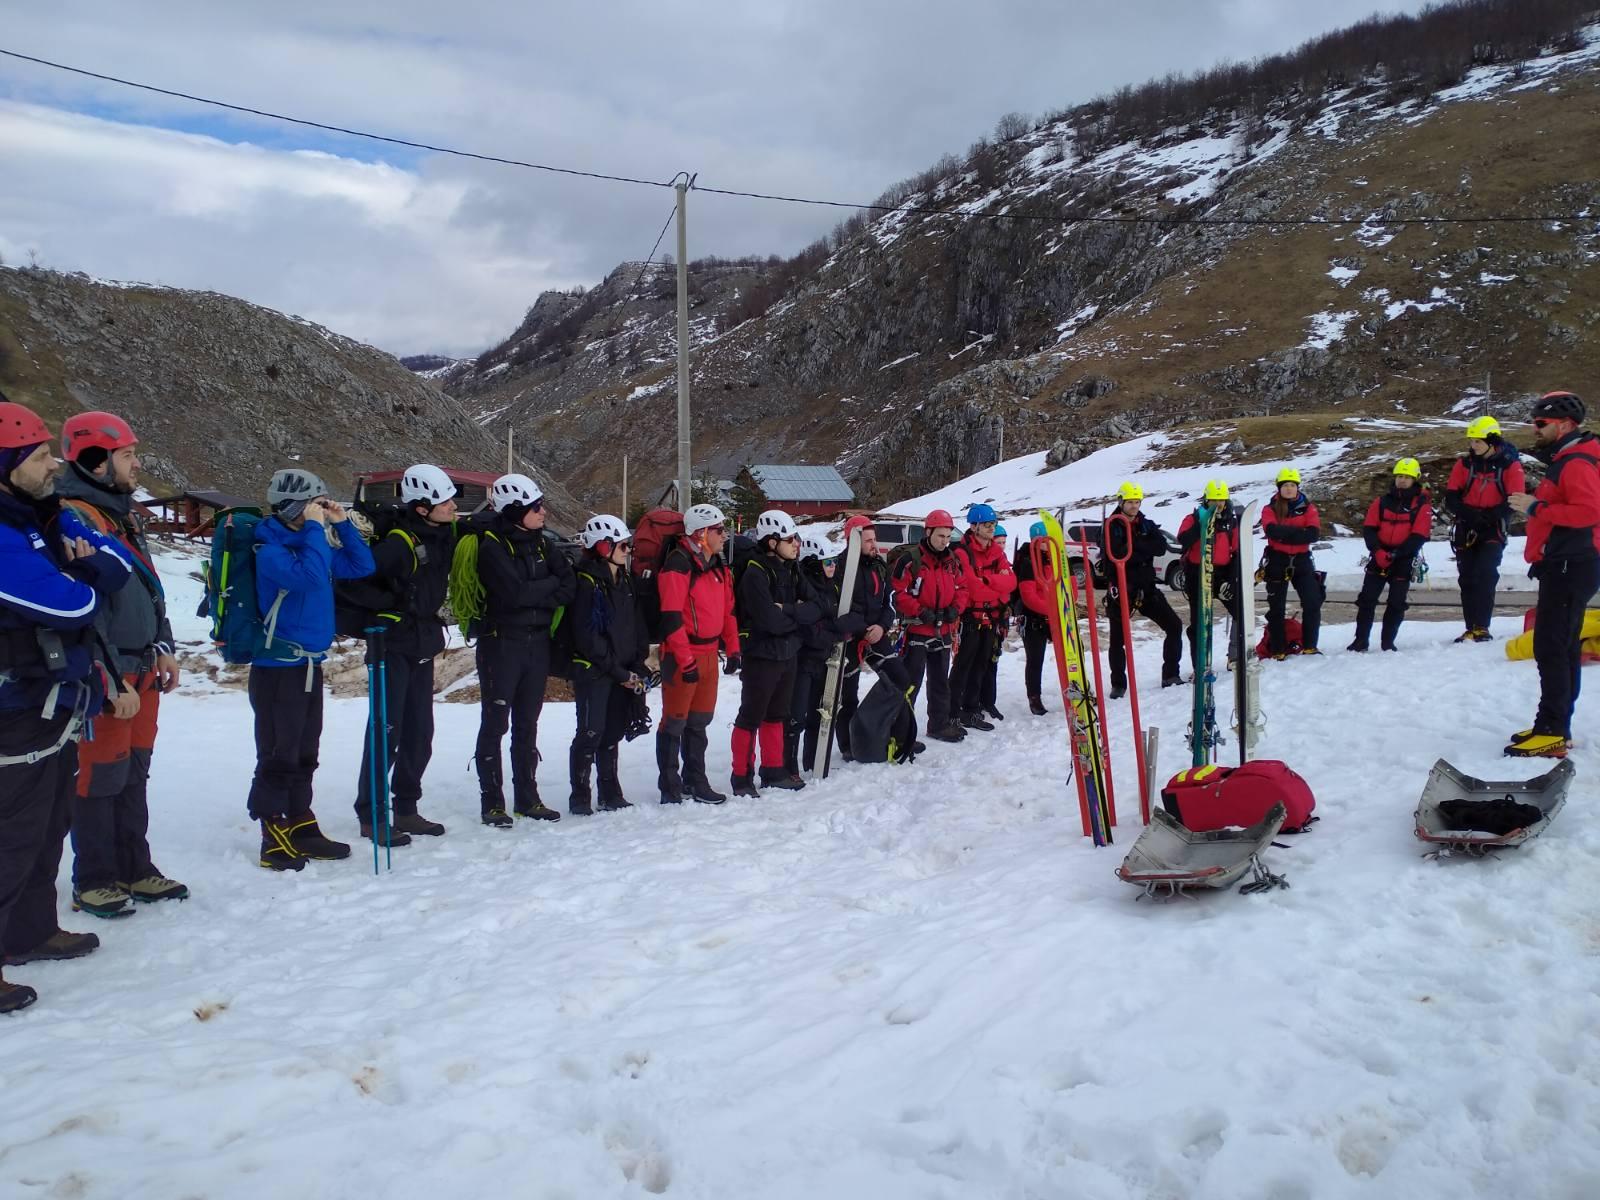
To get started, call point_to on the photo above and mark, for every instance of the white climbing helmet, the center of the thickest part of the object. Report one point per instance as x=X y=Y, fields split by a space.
x=514 y=489
x=776 y=523
x=816 y=543
x=702 y=516
x=426 y=484
x=603 y=527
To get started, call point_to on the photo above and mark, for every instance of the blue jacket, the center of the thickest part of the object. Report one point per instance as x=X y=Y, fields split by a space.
x=40 y=589
x=301 y=564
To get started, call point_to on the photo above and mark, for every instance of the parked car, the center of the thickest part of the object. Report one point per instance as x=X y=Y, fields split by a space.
x=1169 y=566
x=892 y=534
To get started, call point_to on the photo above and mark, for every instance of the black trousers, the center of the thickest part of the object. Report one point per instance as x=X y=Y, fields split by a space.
x=1565 y=590
x=1191 y=591
x=930 y=659
x=766 y=693
x=512 y=673
x=288 y=737
x=1035 y=645
x=989 y=669
x=1150 y=603
x=805 y=706
x=602 y=710
x=1297 y=571
x=1394 y=612
x=409 y=695
x=35 y=800
x=1478 y=566
x=971 y=666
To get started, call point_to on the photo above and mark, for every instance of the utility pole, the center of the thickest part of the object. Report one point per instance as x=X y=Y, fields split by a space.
x=624 y=513
x=1488 y=392
x=1002 y=451
x=685 y=495
x=511 y=445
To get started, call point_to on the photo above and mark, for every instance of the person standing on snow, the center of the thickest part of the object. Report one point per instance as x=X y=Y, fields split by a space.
x=56 y=574
x=929 y=596
x=1564 y=550
x=989 y=675
x=526 y=580
x=1144 y=589
x=1037 y=598
x=1292 y=526
x=775 y=605
x=696 y=587
x=111 y=863
x=988 y=582
x=820 y=559
x=404 y=596
x=296 y=566
x=1227 y=571
x=610 y=644
x=1476 y=496
x=875 y=647
x=1397 y=528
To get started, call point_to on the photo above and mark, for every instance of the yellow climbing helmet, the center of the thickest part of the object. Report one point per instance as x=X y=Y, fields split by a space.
x=1483 y=428
x=1130 y=491
x=1408 y=466
x=1216 y=490
x=1288 y=475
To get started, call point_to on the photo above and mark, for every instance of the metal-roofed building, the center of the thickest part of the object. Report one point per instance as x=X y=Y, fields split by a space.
x=800 y=491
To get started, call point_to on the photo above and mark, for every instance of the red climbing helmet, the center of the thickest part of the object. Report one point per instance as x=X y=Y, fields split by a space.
x=91 y=430
x=21 y=427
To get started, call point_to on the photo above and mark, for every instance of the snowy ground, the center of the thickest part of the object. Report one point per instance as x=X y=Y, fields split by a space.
x=904 y=982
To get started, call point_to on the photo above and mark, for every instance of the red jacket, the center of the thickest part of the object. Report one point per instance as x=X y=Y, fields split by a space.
x=1291 y=527
x=1564 y=523
x=696 y=604
x=1397 y=526
x=986 y=575
x=925 y=582
x=1038 y=595
x=1224 y=542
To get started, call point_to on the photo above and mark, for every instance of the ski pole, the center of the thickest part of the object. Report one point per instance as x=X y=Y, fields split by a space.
x=383 y=742
x=1099 y=680
x=1121 y=563
x=372 y=744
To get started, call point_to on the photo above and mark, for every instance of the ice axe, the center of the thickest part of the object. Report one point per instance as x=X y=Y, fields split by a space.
x=1121 y=564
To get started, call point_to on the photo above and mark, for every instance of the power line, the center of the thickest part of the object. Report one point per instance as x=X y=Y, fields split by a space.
x=651 y=257
x=359 y=133
x=1174 y=220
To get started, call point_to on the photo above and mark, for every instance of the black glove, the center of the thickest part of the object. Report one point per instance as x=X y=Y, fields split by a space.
x=949 y=616
x=731 y=667
x=690 y=674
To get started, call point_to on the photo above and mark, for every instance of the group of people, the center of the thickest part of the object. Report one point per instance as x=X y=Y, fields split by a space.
x=89 y=651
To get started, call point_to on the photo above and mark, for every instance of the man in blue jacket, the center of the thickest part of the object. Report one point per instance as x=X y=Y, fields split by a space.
x=295 y=569
x=55 y=573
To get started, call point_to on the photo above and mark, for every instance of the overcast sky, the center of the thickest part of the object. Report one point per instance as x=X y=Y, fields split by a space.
x=419 y=252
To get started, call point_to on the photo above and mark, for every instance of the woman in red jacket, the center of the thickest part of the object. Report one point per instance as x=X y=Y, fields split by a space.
x=989 y=584
x=1397 y=527
x=929 y=596
x=1292 y=526
x=1038 y=596
x=1476 y=496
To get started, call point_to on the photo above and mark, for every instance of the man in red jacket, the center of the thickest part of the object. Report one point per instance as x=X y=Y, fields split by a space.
x=1482 y=478
x=1397 y=528
x=696 y=617
x=1564 y=548
x=989 y=582
x=929 y=598
x=1292 y=526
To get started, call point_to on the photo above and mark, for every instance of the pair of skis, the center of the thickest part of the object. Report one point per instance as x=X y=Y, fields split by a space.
x=1205 y=735
x=1086 y=718
x=828 y=710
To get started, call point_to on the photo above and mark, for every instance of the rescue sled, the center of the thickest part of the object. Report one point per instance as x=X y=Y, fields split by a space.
x=1169 y=859
x=1439 y=826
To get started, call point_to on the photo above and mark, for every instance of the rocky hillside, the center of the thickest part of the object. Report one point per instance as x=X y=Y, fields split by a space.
x=1127 y=272
x=223 y=392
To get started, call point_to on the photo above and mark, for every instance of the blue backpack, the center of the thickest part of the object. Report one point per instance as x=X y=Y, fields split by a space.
x=238 y=626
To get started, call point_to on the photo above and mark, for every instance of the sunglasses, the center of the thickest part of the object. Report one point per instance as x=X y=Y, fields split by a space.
x=1541 y=422
x=715 y=529
x=535 y=506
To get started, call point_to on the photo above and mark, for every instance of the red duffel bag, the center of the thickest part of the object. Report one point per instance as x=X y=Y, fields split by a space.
x=1212 y=797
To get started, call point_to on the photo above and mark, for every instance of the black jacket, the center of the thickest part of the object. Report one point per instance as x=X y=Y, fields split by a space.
x=608 y=630
x=775 y=605
x=409 y=586
x=820 y=637
x=526 y=577
x=1149 y=544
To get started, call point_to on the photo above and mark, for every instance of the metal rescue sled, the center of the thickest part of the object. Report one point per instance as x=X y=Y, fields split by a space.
x=1169 y=859
x=1475 y=816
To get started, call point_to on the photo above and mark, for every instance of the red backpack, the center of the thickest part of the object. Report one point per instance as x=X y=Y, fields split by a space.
x=657 y=533
x=1205 y=798
x=1293 y=633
